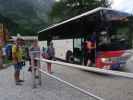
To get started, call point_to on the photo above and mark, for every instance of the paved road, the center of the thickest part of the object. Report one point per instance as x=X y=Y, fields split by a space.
x=50 y=89
x=129 y=65
x=105 y=86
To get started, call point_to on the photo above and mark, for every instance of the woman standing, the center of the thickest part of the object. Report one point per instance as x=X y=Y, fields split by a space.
x=51 y=55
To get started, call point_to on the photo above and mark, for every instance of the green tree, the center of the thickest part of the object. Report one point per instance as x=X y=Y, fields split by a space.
x=65 y=9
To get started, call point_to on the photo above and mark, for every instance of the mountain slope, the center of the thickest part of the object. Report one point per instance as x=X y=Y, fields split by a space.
x=30 y=15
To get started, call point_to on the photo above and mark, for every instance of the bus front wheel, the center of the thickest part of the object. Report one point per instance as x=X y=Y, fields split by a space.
x=69 y=56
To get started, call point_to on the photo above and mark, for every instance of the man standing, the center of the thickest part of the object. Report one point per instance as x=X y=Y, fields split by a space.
x=17 y=60
x=34 y=52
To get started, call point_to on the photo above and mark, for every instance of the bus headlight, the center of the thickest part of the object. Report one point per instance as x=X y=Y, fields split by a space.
x=105 y=60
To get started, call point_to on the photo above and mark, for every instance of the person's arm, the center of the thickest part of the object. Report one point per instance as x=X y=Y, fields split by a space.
x=39 y=54
x=29 y=51
x=54 y=52
x=15 y=60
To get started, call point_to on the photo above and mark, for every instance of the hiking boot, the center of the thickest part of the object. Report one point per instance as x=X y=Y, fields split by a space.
x=30 y=69
x=20 y=80
x=18 y=83
x=37 y=77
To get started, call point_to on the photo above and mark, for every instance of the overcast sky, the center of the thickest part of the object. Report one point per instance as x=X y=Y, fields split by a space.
x=124 y=5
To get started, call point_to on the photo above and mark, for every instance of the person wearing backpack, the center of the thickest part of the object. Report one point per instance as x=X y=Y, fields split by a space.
x=17 y=60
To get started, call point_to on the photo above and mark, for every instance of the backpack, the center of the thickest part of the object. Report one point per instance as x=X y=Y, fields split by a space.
x=8 y=51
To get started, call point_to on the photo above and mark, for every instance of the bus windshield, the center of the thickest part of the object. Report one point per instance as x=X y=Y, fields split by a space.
x=117 y=37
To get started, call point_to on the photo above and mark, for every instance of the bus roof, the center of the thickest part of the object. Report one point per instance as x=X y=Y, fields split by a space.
x=65 y=26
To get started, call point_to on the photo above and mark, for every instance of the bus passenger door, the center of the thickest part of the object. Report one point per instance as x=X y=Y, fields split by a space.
x=77 y=50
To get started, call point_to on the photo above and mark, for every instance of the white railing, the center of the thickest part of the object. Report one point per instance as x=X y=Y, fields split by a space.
x=39 y=70
x=91 y=69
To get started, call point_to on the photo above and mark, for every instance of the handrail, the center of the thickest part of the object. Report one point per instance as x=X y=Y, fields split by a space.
x=59 y=79
x=98 y=70
x=92 y=69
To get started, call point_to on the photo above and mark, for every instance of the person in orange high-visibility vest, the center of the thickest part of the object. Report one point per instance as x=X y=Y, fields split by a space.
x=90 y=51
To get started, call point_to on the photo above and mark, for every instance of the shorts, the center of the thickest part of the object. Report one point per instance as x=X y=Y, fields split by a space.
x=35 y=62
x=50 y=58
x=18 y=66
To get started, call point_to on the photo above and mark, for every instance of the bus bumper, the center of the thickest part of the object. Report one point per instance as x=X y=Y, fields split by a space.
x=118 y=65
